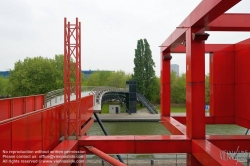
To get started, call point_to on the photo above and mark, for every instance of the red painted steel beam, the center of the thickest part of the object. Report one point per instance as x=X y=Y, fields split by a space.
x=165 y=84
x=181 y=119
x=104 y=156
x=208 y=154
x=138 y=144
x=230 y=22
x=206 y=12
x=208 y=48
x=173 y=126
x=233 y=143
x=150 y=144
x=63 y=151
x=209 y=119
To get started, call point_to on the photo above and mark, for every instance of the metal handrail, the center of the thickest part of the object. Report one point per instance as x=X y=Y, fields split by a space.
x=97 y=91
x=146 y=103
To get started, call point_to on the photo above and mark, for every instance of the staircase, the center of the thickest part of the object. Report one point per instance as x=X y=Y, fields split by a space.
x=146 y=103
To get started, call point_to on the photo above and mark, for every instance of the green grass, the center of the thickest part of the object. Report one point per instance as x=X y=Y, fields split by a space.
x=138 y=106
x=178 y=109
x=105 y=108
x=175 y=109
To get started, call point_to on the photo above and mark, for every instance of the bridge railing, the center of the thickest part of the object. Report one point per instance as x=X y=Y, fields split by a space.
x=101 y=90
x=59 y=93
x=97 y=91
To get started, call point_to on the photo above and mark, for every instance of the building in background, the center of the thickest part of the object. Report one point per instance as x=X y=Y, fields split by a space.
x=4 y=74
x=86 y=73
x=175 y=67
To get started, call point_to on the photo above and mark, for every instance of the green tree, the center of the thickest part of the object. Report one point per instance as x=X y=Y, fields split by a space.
x=182 y=87
x=174 y=87
x=36 y=75
x=139 y=66
x=108 y=78
x=207 y=88
x=98 y=78
x=144 y=73
x=156 y=91
x=84 y=81
x=178 y=88
x=58 y=64
x=118 y=79
x=3 y=86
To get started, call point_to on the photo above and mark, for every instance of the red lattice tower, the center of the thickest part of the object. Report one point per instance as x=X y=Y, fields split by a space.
x=72 y=78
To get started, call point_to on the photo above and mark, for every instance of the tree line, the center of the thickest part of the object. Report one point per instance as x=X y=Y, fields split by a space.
x=99 y=78
x=41 y=75
x=36 y=75
x=178 y=88
x=115 y=79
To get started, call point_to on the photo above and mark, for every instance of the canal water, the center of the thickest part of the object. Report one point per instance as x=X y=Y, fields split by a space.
x=155 y=128
x=152 y=128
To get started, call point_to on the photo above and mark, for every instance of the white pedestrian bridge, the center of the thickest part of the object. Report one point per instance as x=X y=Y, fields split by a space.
x=56 y=97
x=101 y=94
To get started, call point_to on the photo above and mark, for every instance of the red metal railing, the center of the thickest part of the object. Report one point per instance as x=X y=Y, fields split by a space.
x=39 y=130
x=12 y=107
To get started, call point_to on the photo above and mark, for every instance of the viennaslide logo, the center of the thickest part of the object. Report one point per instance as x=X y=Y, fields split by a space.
x=237 y=155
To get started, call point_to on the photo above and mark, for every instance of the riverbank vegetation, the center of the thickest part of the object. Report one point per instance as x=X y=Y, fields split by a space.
x=3 y=87
x=41 y=75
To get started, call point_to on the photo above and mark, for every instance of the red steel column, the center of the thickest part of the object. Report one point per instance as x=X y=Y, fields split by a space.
x=165 y=84
x=195 y=86
x=72 y=77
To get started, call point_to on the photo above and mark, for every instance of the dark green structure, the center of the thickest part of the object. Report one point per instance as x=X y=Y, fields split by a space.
x=131 y=98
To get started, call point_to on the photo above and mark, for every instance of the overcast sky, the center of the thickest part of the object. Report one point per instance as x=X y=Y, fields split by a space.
x=110 y=29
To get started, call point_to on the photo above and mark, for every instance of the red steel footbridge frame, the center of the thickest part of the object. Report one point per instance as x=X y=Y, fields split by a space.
x=26 y=126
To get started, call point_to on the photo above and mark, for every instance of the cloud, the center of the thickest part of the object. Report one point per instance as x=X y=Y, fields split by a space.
x=110 y=29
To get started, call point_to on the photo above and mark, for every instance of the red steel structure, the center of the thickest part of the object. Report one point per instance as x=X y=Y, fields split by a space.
x=72 y=77
x=224 y=72
x=37 y=130
x=229 y=95
x=13 y=107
